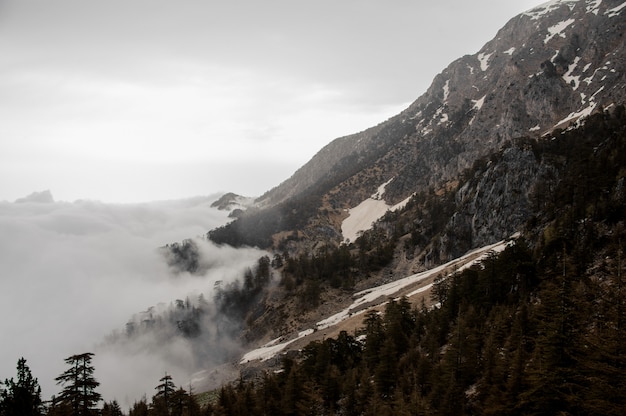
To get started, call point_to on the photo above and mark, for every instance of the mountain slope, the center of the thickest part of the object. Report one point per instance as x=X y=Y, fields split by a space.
x=545 y=69
x=535 y=329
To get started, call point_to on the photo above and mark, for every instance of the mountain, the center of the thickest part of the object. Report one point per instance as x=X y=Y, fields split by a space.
x=546 y=69
x=525 y=138
x=503 y=141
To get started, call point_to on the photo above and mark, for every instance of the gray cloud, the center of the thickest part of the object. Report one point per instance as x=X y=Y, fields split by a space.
x=88 y=87
x=74 y=272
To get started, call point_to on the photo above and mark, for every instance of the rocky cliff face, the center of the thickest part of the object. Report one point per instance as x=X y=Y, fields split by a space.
x=546 y=69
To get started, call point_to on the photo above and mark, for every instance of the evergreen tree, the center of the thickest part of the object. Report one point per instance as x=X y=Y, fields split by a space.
x=21 y=397
x=139 y=408
x=268 y=397
x=59 y=408
x=163 y=400
x=79 y=385
x=374 y=338
x=179 y=402
x=111 y=409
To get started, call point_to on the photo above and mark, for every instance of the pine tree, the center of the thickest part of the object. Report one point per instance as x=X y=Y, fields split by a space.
x=79 y=385
x=21 y=397
x=140 y=408
x=111 y=409
x=374 y=338
x=268 y=396
x=162 y=401
x=179 y=402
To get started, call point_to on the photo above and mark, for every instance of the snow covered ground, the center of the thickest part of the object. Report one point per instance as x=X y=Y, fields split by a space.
x=377 y=296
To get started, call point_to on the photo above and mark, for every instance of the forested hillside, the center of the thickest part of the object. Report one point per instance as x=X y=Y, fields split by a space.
x=525 y=138
x=538 y=329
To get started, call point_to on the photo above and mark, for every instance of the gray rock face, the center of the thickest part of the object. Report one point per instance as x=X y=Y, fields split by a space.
x=545 y=69
x=496 y=202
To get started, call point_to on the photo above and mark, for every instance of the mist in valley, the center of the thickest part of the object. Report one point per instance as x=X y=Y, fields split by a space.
x=74 y=274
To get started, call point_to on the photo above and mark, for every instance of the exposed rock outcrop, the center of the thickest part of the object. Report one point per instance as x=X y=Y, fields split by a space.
x=546 y=69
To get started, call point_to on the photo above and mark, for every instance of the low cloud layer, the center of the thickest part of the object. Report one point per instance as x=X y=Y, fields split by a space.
x=71 y=273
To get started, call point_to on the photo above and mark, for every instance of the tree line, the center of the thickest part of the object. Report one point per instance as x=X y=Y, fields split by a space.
x=525 y=333
x=530 y=331
x=79 y=395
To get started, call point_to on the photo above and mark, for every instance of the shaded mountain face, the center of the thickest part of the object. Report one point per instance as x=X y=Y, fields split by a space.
x=546 y=69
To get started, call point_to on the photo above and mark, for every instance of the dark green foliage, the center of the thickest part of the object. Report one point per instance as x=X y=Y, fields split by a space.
x=111 y=409
x=79 y=386
x=139 y=408
x=183 y=256
x=168 y=401
x=518 y=340
x=21 y=397
x=236 y=299
x=163 y=401
x=188 y=318
x=182 y=317
x=337 y=267
x=537 y=329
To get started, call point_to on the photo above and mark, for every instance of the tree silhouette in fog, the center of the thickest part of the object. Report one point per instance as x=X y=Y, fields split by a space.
x=21 y=397
x=79 y=386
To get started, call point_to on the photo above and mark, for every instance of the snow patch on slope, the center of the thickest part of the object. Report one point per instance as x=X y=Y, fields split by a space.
x=370 y=296
x=483 y=58
x=272 y=348
x=558 y=29
x=362 y=217
x=478 y=104
x=569 y=78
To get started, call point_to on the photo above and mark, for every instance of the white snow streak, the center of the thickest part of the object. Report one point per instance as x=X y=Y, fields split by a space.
x=446 y=90
x=510 y=51
x=616 y=10
x=272 y=348
x=569 y=78
x=594 y=6
x=558 y=29
x=371 y=296
x=576 y=116
x=478 y=104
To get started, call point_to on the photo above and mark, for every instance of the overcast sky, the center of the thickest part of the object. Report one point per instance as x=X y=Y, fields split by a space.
x=125 y=101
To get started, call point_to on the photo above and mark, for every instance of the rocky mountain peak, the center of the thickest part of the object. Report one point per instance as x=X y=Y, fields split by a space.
x=546 y=69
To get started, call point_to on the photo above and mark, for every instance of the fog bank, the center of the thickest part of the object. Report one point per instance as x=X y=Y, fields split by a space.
x=71 y=273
